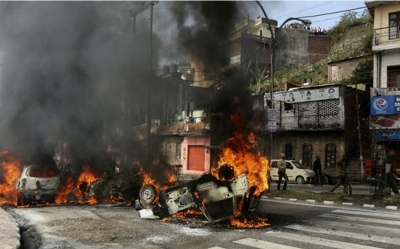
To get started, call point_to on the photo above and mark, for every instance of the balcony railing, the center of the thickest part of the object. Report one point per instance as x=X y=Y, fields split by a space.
x=386 y=36
x=385 y=91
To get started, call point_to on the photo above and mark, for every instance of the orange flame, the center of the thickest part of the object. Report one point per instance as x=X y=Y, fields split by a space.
x=82 y=186
x=86 y=178
x=68 y=186
x=166 y=219
x=242 y=155
x=9 y=173
x=248 y=223
x=189 y=213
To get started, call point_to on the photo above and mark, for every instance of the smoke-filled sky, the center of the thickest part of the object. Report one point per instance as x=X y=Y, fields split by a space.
x=67 y=66
x=64 y=69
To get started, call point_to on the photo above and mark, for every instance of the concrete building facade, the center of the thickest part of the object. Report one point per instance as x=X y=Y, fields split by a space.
x=385 y=94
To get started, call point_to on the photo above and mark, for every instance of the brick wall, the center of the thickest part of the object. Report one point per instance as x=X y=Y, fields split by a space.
x=319 y=47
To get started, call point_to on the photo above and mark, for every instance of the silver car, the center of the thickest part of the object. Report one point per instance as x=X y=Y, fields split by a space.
x=38 y=183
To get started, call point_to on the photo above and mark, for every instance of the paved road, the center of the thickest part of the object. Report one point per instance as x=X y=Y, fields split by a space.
x=293 y=225
x=10 y=237
x=340 y=228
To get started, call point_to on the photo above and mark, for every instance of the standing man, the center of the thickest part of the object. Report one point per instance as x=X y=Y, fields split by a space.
x=282 y=172
x=317 y=171
x=341 y=175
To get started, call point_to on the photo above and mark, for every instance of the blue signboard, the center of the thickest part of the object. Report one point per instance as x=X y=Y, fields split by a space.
x=387 y=135
x=385 y=105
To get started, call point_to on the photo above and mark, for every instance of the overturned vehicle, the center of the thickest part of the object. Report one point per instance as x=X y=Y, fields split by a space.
x=218 y=198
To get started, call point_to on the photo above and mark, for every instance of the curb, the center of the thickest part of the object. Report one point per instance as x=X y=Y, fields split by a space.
x=310 y=201
x=10 y=237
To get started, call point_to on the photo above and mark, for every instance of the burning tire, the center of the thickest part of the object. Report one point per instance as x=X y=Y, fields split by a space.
x=147 y=195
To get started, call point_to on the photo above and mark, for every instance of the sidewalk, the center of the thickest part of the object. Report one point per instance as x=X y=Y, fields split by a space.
x=9 y=231
x=362 y=195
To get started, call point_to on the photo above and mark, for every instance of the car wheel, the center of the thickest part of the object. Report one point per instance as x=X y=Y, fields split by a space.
x=147 y=195
x=299 y=180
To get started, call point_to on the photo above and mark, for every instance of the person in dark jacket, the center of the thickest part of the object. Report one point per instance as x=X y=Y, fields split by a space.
x=317 y=171
x=341 y=175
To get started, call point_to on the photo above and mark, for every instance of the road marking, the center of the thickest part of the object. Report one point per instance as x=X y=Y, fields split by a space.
x=367 y=237
x=389 y=231
x=262 y=244
x=369 y=213
x=352 y=218
x=318 y=241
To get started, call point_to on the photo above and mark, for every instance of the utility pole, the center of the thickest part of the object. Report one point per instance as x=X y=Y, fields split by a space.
x=359 y=136
x=148 y=116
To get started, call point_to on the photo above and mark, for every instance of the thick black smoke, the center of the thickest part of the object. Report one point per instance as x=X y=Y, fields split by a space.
x=70 y=74
x=203 y=27
x=65 y=70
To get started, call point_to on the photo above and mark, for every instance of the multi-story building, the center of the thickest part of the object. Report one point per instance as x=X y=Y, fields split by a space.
x=318 y=121
x=385 y=94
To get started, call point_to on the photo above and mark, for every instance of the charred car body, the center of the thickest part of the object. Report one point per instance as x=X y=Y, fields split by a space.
x=217 y=199
x=38 y=183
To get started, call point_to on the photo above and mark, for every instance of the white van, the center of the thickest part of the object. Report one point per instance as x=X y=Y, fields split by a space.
x=295 y=171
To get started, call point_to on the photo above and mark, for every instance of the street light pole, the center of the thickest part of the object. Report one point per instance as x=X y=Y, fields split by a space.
x=272 y=53
x=271 y=87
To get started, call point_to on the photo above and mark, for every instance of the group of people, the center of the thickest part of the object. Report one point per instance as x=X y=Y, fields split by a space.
x=315 y=30
x=318 y=178
x=341 y=174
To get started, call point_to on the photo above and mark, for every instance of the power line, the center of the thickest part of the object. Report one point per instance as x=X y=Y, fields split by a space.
x=302 y=10
x=331 y=13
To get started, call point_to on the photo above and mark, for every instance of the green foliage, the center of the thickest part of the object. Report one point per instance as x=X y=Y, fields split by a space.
x=259 y=80
x=347 y=20
x=363 y=73
x=318 y=73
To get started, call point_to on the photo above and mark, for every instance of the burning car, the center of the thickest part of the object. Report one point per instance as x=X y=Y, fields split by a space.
x=37 y=183
x=218 y=199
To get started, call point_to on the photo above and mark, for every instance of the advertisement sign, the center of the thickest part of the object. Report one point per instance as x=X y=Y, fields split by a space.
x=385 y=105
x=304 y=95
x=384 y=121
x=387 y=135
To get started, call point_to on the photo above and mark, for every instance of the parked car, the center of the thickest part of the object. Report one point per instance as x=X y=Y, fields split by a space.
x=38 y=183
x=295 y=171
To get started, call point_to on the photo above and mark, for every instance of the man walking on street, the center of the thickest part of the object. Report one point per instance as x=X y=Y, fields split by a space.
x=317 y=171
x=341 y=175
x=282 y=172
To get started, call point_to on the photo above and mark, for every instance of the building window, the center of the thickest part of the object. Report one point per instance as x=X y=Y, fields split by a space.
x=288 y=151
x=330 y=155
x=394 y=24
x=307 y=155
x=393 y=76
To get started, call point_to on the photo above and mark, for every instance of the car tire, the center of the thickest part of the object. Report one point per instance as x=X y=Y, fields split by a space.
x=299 y=180
x=147 y=195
